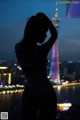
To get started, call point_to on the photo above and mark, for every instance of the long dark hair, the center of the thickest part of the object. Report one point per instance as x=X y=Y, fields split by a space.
x=33 y=26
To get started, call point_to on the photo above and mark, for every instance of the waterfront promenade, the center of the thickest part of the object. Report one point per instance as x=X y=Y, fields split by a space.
x=20 y=88
x=66 y=85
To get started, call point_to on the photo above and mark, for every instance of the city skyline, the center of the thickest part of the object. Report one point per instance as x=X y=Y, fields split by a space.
x=13 y=18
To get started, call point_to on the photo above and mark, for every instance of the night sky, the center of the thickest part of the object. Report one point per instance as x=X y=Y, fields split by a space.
x=14 y=15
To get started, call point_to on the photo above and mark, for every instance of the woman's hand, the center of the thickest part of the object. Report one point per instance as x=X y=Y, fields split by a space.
x=53 y=30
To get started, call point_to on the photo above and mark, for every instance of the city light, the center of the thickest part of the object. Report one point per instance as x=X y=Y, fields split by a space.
x=10 y=89
x=64 y=106
x=9 y=78
x=3 y=68
x=19 y=67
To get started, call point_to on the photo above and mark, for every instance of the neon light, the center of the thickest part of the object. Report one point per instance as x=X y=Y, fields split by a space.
x=54 y=69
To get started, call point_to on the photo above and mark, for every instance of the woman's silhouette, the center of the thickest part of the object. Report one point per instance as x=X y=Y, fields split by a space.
x=39 y=100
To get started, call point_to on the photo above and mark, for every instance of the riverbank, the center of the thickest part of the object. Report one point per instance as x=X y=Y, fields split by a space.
x=20 y=88
x=66 y=85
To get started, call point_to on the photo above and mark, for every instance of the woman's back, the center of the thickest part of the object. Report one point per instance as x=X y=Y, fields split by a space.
x=33 y=61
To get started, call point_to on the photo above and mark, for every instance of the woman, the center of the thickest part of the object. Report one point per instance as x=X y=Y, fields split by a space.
x=39 y=100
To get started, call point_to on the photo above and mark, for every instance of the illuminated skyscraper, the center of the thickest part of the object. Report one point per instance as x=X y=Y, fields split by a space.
x=73 y=9
x=54 y=69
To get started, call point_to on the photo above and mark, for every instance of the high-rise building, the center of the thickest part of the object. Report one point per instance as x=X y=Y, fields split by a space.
x=73 y=9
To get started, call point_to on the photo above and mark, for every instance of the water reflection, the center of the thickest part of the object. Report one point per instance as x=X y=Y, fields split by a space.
x=71 y=93
x=11 y=103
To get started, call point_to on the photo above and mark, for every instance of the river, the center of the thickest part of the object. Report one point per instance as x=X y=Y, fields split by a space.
x=11 y=103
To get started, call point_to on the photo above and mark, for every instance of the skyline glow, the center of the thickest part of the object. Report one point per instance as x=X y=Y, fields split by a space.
x=13 y=18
